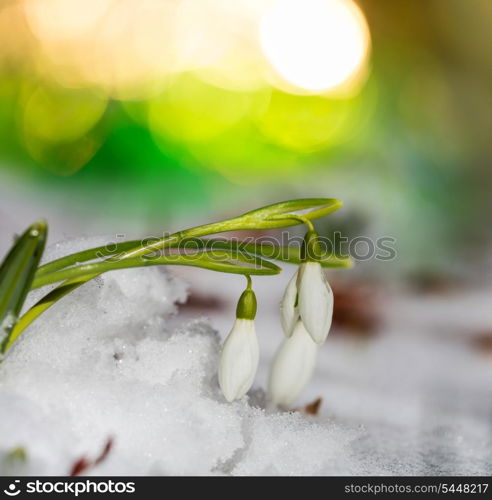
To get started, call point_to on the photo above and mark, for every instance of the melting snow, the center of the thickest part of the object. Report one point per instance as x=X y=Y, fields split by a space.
x=108 y=361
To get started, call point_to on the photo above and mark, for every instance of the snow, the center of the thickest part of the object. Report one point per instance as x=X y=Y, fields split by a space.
x=116 y=359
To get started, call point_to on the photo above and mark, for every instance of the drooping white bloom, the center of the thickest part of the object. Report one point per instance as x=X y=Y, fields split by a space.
x=308 y=297
x=239 y=360
x=289 y=312
x=315 y=300
x=292 y=366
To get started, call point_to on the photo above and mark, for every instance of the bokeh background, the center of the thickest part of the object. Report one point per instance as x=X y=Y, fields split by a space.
x=145 y=114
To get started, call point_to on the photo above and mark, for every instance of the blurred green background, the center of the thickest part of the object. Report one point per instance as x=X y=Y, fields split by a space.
x=147 y=113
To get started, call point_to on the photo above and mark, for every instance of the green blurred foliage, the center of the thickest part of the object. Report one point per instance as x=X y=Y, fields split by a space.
x=416 y=138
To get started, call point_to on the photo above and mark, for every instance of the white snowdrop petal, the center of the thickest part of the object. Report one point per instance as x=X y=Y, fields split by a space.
x=315 y=301
x=292 y=366
x=239 y=360
x=289 y=312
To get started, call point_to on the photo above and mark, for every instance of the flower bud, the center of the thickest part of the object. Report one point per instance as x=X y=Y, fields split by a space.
x=308 y=295
x=289 y=310
x=240 y=351
x=292 y=366
x=239 y=360
x=315 y=300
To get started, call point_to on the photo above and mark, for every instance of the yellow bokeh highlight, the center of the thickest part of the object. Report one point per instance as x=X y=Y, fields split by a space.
x=16 y=41
x=218 y=40
x=315 y=46
x=130 y=48
x=64 y=20
x=125 y=47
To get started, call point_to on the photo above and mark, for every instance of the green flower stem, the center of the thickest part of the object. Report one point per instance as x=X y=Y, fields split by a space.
x=17 y=272
x=39 y=308
x=74 y=277
x=249 y=282
x=86 y=255
x=72 y=284
x=304 y=220
x=134 y=248
x=289 y=255
x=272 y=216
x=124 y=249
x=219 y=261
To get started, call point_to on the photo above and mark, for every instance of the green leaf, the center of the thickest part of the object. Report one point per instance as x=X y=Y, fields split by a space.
x=108 y=250
x=268 y=217
x=283 y=214
x=222 y=260
x=129 y=254
x=40 y=307
x=289 y=254
x=16 y=276
x=277 y=214
x=225 y=261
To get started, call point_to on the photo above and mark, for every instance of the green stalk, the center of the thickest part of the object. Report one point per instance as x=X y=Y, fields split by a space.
x=74 y=277
x=289 y=255
x=219 y=261
x=17 y=273
x=72 y=284
x=39 y=308
x=86 y=255
x=272 y=216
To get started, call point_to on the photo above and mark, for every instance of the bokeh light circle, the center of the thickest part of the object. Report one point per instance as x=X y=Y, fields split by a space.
x=315 y=45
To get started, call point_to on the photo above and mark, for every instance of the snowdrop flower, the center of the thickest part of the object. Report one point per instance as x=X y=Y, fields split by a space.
x=289 y=310
x=240 y=352
x=308 y=296
x=292 y=366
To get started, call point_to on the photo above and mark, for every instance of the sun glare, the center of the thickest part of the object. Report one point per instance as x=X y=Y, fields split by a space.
x=315 y=45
